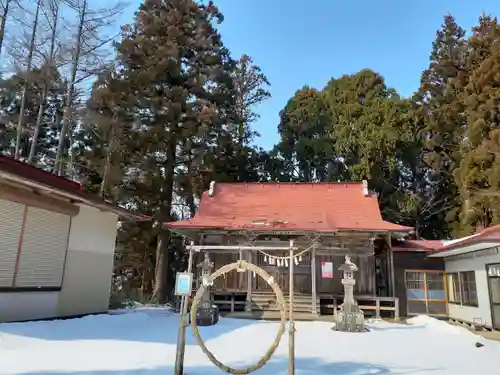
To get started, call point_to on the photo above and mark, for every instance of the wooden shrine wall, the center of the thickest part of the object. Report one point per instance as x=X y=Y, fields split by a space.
x=360 y=247
x=235 y=281
x=365 y=277
x=301 y=274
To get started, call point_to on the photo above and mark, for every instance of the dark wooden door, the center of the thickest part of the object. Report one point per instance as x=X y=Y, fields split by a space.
x=493 y=272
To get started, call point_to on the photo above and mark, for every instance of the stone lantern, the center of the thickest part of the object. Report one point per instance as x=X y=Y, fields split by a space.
x=208 y=313
x=350 y=318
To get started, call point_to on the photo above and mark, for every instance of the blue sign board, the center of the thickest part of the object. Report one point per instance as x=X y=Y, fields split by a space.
x=183 y=283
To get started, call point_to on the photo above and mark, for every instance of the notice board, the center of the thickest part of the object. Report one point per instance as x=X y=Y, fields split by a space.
x=326 y=270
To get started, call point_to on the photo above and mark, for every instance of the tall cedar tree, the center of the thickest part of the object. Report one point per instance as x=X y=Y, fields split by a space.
x=479 y=172
x=232 y=157
x=103 y=137
x=178 y=71
x=250 y=86
x=440 y=110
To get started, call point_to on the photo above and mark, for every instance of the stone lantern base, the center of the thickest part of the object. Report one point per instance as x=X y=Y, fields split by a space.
x=350 y=319
x=207 y=316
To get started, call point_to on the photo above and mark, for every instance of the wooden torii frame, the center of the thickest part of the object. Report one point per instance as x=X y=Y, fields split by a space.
x=181 y=339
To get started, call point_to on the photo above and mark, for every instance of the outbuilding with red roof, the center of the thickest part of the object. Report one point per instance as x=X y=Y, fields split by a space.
x=472 y=266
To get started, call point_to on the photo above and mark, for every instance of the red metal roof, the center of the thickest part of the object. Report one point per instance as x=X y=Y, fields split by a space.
x=490 y=234
x=417 y=245
x=289 y=206
x=46 y=179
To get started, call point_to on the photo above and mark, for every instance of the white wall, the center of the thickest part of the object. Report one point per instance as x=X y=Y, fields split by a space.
x=15 y=306
x=482 y=313
x=94 y=231
x=87 y=273
x=89 y=263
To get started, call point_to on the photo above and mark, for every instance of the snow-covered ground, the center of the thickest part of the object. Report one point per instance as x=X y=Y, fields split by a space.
x=144 y=343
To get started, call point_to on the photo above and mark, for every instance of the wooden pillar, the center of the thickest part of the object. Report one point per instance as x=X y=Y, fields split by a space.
x=374 y=271
x=313 y=280
x=241 y=275
x=391 y=263
x=388 y=272
x=248 y=304
x=195 y=259
x=291 y=323
x=181 y=337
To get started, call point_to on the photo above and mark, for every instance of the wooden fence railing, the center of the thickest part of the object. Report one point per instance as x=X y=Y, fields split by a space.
x=366 y=303
x=235 y=301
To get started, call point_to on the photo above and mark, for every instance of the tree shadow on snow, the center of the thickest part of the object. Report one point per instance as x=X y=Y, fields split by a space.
x=277 y=366
x=140 y=327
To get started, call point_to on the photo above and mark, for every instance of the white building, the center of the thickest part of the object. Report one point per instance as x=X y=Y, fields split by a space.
x=57 y=245
x=472 y=267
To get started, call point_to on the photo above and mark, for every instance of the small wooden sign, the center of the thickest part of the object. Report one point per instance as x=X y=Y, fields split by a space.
x=183 y=283
x=326 y=270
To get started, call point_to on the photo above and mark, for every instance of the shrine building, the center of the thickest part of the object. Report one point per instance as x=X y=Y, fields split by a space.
x=324 y=221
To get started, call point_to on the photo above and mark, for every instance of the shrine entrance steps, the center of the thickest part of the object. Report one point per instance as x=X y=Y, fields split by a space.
x=266 y=301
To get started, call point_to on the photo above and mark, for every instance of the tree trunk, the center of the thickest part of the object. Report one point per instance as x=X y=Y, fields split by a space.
x=163 y=288
x=5 y=13
x=189 y=186
x=47 y=77
x=36 y=132
x=69 y=92
x=26 y=81
x=107 y=164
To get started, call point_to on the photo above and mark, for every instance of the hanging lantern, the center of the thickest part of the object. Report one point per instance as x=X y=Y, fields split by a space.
x=296 y=261
x=286 y=262
x=265 y=258
x=300 y=258
x=254 y=274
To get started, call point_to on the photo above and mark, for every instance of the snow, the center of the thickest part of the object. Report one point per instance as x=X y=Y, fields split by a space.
x=146 y=309
x=144 y=343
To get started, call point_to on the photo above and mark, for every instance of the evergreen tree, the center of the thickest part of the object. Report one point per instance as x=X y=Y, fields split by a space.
x=103 y=137
x=307 y=146
x=230 y=156
x=250 y=89
x=10 y=105
x=441 y=111
x=438 y=125
x=478 y=175
x=367 y=127
x=174 y=76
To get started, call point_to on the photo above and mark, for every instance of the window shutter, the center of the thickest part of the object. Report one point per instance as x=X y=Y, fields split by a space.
x=43 y=251
x=11 y=221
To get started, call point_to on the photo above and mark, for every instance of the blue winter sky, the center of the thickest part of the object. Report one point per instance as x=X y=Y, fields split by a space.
x=300 y=43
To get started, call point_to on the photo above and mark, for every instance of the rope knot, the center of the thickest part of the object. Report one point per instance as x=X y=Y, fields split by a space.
x=241 y=263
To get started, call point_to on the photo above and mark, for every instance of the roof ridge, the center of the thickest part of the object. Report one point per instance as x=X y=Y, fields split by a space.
x=9 y=161
x=291 y=183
